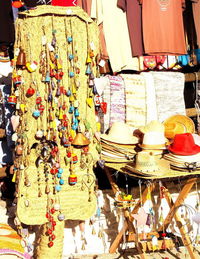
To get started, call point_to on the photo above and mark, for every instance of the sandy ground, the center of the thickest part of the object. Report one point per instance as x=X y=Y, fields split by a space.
x=182 y=253
x=172 y=254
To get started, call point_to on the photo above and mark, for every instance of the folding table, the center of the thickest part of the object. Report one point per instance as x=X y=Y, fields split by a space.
x=188 y=180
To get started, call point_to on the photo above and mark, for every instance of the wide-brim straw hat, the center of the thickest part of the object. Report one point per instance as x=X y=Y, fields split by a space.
x=178 y=124
x=147 y=163
x=120 y=133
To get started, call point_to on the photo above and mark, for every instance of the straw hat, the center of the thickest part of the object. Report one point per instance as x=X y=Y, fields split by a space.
x=171 y=129
x=184 y=145
x=188 y=163
x=80 y=140
x=148 y=163
x=154 y=125
x=154 y=140
x=120 y=133
x=178 y=124
x=145 y=162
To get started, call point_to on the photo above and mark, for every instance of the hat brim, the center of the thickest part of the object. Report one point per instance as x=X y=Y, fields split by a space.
x=163 y=166
x=180 y=158
x=152 y=147
x=177 y=128
x=194 y=151
x=132 y=140
x=182 y=119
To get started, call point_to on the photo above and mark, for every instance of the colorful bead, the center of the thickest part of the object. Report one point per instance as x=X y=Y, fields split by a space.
x=71 y=56
x=58 y=188
x=68 y=93
x=71 y=109
x=52 y=237
x=53 y=211
x=61 y=217
x=50 y=244
x=60 y=170
x=72 y=179
x=36 y=114
x=76 y=112
x=49 y=231
x=61 y=182
x=69 y=39
x=12 y=99
x=71 y=74
x=74 y=159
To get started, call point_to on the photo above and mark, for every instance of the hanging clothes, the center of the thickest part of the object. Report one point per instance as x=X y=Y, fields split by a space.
x=189 y=26
x=86 y=5
x=116 y=34
x=163 y=30
x=196 y=14
x=97 y=15
x=134 y=20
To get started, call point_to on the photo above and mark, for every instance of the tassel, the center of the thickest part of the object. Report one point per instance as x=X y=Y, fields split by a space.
x=83 y=246
x=93 y=231
x=100 y=234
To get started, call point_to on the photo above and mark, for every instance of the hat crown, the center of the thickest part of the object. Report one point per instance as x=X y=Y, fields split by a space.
x=120 y=132
x=145 y=161
x=119 y=127
x=154 y=140
x=153 y=125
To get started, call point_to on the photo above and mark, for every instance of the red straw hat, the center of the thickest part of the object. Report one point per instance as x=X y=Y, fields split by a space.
x=184 y=145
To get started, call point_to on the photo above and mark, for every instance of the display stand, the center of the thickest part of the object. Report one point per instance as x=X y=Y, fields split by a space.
x=128 y=226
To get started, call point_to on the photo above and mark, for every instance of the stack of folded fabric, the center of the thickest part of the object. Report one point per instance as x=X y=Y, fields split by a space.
x=119 y=144
x=184 y=154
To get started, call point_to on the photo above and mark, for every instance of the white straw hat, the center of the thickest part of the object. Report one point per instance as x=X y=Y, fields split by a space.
x=154 y=140
x=120 y=133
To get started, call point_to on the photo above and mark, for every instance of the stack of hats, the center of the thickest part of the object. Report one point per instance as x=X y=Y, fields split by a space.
x=184 y=153
x=119 y=144
x=153 y=137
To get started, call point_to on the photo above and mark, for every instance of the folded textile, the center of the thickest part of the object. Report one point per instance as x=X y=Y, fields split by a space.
x=135 y=99
x=169 y=88
x=117 y=99
x=150 y=98
x=106 y=98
